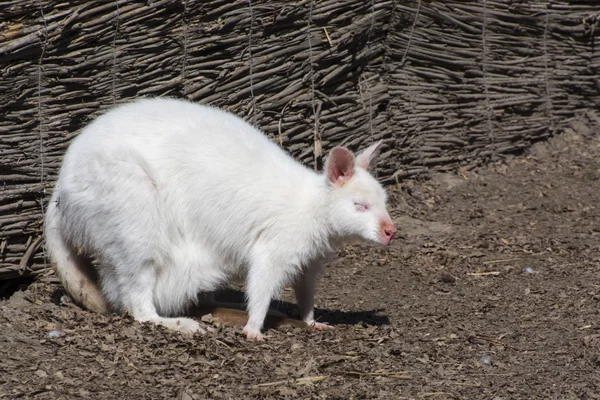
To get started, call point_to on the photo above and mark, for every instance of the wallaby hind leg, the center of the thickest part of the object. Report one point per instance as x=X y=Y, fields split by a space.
x=137 y=292
x=75 y=271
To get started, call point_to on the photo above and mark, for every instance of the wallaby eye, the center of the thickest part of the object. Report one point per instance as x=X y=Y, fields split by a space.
x=361 y=206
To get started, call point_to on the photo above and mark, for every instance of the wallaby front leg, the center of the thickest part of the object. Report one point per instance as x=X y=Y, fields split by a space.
x=264 y=280
x=305 y=288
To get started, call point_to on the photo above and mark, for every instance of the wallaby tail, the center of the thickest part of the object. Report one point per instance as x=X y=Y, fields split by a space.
x=75 y=271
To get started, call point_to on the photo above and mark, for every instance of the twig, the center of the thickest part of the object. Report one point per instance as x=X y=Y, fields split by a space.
x=500 y=261
x=484 y=70
x=388 y=374
x=483 y=273
x=463 y=384
x=251 y=61
x=299 y=381
x=29 y=254
x=434 y=394
x=42 y=148
x=223 y=344
x=316 y=135
x=114 y=54
x=410 y=36
x=487 y=339
x=327 y=36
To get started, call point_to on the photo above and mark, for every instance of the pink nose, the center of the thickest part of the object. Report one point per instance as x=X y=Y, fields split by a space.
x=388 y=230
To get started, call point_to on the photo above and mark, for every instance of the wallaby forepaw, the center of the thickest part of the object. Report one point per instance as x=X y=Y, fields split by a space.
x=186 y=326
x=254 y=334
x=320 y=326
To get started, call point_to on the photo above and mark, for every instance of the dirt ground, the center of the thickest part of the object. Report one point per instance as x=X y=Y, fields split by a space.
x=492 y=291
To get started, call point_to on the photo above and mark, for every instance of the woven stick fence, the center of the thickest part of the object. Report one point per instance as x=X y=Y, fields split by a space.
x=446 y=84
x=471 y=80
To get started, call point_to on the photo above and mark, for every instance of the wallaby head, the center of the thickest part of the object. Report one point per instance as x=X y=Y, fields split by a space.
x=357 y=201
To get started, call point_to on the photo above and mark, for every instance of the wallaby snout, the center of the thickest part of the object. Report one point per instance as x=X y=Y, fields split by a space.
x=387 y=232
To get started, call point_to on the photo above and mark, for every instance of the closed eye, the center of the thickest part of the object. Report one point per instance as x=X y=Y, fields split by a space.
x=361 y=206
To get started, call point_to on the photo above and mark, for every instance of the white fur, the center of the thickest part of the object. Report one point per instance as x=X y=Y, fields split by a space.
x=173 y=198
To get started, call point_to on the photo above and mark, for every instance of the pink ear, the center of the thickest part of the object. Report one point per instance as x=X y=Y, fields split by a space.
x=340 y=165
x=364 y=159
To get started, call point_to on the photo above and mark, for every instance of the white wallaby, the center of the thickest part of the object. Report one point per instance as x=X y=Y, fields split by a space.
x=173 y=198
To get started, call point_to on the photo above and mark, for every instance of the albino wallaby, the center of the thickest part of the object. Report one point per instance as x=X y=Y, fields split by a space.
x=173 y=198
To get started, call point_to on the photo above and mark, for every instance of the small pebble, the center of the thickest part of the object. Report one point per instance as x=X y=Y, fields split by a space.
x=529 y=270
x=447 y=278
x=486 y=360
x=296 y=346
x=41 y=373
x=55 y=334
x=207 y=318
x=64 y=299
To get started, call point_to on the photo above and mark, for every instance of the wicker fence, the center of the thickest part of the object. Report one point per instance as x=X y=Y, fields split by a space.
x=446 y=84
x=471 y=80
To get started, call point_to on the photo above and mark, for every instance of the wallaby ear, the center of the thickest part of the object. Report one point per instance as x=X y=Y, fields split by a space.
x=340 y=165
x=366 y=156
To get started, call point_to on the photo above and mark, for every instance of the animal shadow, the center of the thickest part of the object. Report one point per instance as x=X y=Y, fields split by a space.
x=332 y=317
x=281 y=312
